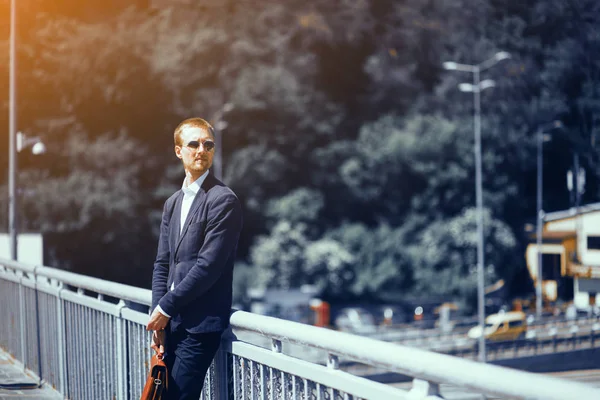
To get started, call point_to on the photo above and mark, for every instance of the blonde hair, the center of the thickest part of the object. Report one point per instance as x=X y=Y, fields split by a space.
x=193 y=123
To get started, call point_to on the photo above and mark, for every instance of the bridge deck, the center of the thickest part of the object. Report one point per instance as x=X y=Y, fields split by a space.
x=15 y=384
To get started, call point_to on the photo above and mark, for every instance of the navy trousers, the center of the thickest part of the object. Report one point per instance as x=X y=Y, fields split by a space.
x=188 y=357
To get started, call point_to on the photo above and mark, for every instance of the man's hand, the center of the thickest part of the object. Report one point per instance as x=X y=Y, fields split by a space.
x=158 y=321
x=158 y=342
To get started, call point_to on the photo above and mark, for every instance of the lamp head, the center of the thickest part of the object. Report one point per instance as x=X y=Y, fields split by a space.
x=38 y=148
x=487 y=83
x=449 y=65
x=466 y=87
x=502 y=55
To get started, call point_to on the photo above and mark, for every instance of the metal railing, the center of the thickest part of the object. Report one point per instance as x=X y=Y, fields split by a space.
x=86 y=337
x=408 y=333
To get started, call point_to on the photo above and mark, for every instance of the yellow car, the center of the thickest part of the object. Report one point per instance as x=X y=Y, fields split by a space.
x=502 y=326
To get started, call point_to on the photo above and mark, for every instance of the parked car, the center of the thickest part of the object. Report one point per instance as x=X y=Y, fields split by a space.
x=510 y=325
x=356 y=320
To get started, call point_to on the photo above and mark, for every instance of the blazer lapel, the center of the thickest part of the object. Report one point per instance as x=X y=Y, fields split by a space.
x=198 y=200
x=174 y=235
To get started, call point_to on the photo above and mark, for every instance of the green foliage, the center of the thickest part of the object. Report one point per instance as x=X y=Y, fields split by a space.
x=279 y=257
x=301 y=205
x=444 y=257
x=380 y=262
x=288 y=258
x=349 y=146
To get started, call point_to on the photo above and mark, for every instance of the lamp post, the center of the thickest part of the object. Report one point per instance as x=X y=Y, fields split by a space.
x=12 y=128
x=220 y=126
x=476 y=88
x=541 y=137
x=19 y=141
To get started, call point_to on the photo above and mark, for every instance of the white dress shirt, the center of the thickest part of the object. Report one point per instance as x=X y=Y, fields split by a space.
x=189 y=193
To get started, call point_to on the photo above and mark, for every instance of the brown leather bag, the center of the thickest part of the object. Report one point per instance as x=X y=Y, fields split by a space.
x=158 y=380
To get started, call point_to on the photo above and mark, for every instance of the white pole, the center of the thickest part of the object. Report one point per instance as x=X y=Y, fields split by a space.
x=479 y=196
x=12 y=132
x=538 y=286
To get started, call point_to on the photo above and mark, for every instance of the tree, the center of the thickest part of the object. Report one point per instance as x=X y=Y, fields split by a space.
x=444 y=256
x=88 y=205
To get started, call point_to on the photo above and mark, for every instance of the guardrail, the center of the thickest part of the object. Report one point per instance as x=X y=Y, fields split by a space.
x=409 y=334
x=550 y=343
x=84 y=337
x=562 y=336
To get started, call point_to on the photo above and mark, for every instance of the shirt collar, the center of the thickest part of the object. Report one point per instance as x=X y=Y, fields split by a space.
x=195 y=186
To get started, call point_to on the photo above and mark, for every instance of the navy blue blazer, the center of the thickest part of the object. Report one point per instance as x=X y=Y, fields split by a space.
x=199 y=260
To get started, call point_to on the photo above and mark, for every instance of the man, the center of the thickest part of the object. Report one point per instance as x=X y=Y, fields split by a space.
x=192 y=278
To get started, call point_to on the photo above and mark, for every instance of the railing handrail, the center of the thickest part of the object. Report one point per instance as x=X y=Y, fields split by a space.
x=421 y=364
x=417 y=363
x=97 y=285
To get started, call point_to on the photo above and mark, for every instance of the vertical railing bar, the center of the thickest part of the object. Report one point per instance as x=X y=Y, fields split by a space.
x=121 y=365
x=305 y=389
x=236 y=384
x=37 y=322
x=129 y=358
x=83 y=335
x=76 y=350
x=50 y=323
x=283 y=385
x=92 y=386
x=294 y=391
x=110 y=378
x=243 y=377
x=272 y=383
x=69 y=350
x=133 y=336
x=208 y=383
x=140 y=357
x=81 y=341
x=137 y=347
x=113 y=366
x=263 y=383
x=48 y=352
x=104 y=353
x=97 y=382
x=63 y=353
x=22 y=321
x=87 y=383
x=97 y=352
x=251 y=365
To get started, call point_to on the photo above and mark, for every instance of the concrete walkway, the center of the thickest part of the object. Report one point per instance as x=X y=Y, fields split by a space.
x=15 y=384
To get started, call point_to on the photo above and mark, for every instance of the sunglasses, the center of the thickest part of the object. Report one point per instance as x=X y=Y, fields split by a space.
x=207 y=145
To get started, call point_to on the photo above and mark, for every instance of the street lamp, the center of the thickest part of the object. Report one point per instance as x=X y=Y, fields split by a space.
x=18 y=142
x=476 y=88
x=541 y=138
x=220 y=126
x=12 y=128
